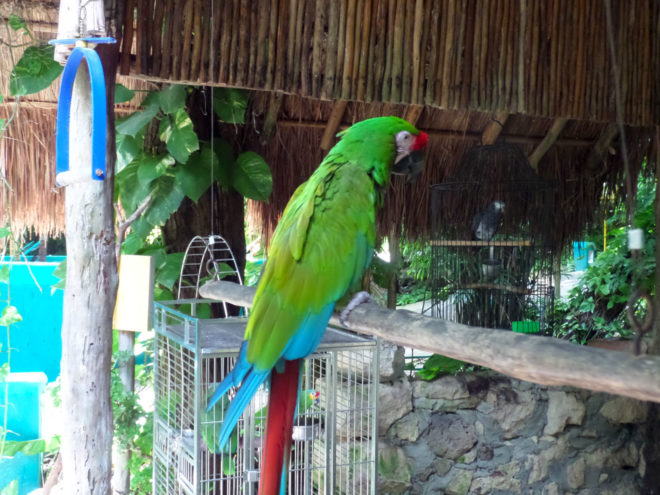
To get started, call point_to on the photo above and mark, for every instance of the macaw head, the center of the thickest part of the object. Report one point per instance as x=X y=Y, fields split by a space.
x=382 y=145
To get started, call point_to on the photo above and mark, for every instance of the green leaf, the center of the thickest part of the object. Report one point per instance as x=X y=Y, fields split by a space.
x=128 y=147
x=252 y=177
x=167 y=196
x=170 y=270
x=137 y=121
x=4 y=232
x=123 y=94
x=4 y=371
x=179 y=136
x=151 y=167
x=10 y=315
x=132 y=244
x=10 y=489
x=195 y=176
x=226 y=161
x=35 y=71
x=16 y=23
x=31 y=447
x=172 y=98
x=59 y=272
x=4 y=274
x=230 y=104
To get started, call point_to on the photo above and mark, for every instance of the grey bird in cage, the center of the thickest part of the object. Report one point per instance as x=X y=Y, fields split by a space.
x=485 y=223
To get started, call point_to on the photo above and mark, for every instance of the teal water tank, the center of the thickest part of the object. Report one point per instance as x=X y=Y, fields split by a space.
x=36 y=341
x=23 y=423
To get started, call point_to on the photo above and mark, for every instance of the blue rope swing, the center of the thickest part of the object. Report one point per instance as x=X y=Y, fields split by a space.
x=99 y=107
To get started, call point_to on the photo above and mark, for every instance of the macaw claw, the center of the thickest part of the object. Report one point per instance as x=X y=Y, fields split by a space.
x=359 y=298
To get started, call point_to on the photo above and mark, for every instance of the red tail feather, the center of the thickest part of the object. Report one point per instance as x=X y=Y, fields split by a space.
x=279 y=426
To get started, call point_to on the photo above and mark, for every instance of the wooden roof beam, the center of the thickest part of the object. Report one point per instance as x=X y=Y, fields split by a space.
x=547 y=142
x=543 y=360
x=333 y=124
x=494 y=128
x=601 y=147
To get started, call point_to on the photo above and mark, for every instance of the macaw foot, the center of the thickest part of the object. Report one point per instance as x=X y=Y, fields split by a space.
x=359 y=298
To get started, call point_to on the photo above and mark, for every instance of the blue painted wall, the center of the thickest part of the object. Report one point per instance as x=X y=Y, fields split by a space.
x=36 y=342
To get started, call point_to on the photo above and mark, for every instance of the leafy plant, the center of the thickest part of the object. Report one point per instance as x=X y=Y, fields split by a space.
x=595 y=308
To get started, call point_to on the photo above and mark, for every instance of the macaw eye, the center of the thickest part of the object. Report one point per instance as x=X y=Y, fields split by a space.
x=403 y=138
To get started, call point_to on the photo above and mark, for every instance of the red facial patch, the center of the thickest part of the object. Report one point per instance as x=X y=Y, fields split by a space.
x=420 y=141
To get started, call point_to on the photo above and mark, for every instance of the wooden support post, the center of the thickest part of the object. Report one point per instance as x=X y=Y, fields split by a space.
x=413 y=113
x=91 y=284
x=601 y=147
x=494 y=128
x=543 y=360
x=393 y=243
x=334 y=121
x=655 y=340
x=547 y=142
x=270 y=121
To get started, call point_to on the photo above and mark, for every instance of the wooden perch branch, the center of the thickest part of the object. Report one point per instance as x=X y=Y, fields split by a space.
x=494 y=128
x=543 y=360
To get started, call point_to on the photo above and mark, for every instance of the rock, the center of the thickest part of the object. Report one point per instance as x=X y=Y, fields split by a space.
x=512 y=410
x=469 y=458
x=624 y=410
x=447 y=393
x=459 y=484
x=407 y=428
x=503 y=479
x=442 y=466
x=541 y=464
x=394 y=402
x=391 y=363
x=575 y=473
x=394 y=471
x=550 y=489
x=563 y=408
x=602 y=478
x=485 y=453
x=450 y=436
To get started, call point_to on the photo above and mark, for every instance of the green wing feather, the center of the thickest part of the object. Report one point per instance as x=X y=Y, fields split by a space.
x=322 y=245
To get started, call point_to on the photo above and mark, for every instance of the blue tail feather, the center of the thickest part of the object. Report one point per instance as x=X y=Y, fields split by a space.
x=234 y=378
x=308 y=336
x=245 y=393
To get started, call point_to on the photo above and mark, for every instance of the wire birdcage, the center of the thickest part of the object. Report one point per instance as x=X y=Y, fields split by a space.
x=334 y=438
x=491 y=256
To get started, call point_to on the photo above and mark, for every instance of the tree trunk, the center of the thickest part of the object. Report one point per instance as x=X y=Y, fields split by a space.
x=121 y=478
x=89 y=298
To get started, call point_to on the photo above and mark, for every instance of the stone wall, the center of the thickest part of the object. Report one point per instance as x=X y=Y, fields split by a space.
x=484 y=433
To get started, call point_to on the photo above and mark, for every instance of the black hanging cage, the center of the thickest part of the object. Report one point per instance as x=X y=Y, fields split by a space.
x=492 y=228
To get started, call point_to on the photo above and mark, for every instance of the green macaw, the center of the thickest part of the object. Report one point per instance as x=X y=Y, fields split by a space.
x=323 y=243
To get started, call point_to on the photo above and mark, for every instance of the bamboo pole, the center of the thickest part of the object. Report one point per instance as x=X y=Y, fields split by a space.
x=331 y=51
x=397 y=51
x=416 y=51
x=409 y=29
x=387 y=74
x=543 y=360
x=195 y=56
x=242 y=58
x=494 y=128
x=317 y=59
x=349 y=50
x=365 y=52
x=522 y=32
x=188 y=15
x=434 y=30
x=127 y=40
x=156 y=37
x=444 y=76
x=280 y=51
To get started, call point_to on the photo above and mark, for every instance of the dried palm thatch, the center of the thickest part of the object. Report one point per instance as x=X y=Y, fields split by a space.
x=544 y=58
x=295 y=152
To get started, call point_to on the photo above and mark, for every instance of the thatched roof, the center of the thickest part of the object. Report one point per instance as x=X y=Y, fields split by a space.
x=533 y=74
x=27 y=151
x=532 y=57
x=294 y=152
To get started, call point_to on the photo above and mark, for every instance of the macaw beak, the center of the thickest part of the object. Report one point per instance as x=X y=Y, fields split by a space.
x=411 y=165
